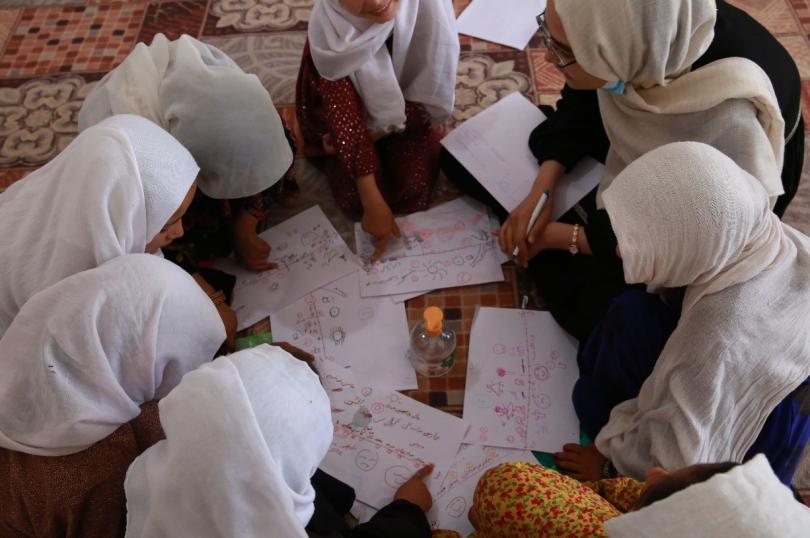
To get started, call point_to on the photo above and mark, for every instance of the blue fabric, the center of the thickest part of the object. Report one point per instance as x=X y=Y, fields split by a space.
x=621 y=353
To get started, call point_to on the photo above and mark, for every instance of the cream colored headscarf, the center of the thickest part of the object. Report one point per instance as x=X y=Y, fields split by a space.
x=221 y=114
x=244 y=435
x=651 y=45
x=686 y=215
x=84 y=354
x=420 y=68
x=745 y=502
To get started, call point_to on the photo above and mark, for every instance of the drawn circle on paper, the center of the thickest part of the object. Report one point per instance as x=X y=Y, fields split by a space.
x=414 y=264
x=543 y=401
x=483 y=429
x=511 y=438
x=554 y=355
x=334 y=311
x=397 y=475
x=464 y=277
x=457 y=507
x=541 y=373
x=366 y=392
x=460 y=225
x=458 y=260
x=499 y=349
x=393 y=399
x=550 y=364
x=366 y=459
x=338 y=335
x=377 y=408
x=365 y=313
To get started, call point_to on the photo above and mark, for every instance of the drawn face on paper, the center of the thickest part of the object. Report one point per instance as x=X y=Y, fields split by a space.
x=366 y=459
x=397 y=475
x=457 y=507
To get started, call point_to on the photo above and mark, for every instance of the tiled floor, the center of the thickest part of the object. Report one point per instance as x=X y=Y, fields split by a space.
x=52 y=51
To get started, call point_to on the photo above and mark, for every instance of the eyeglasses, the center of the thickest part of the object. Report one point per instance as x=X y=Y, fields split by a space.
x=563 y=56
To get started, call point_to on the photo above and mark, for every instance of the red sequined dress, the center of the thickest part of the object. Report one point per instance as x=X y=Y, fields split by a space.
x=405 y=164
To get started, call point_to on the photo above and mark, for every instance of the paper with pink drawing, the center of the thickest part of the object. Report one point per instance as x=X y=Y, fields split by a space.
x=521 y=371
x=382 y=437
x=447 y=246
x=309 y=252
x=454 y=496
x=367 y=335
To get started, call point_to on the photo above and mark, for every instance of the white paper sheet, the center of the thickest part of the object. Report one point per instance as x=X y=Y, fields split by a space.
x=369 y=336
x=454 y=496
x=447 y=246
x=521 y=370
x=309 y=253
x=508 y=22
x=382 y=437
x=493 y=147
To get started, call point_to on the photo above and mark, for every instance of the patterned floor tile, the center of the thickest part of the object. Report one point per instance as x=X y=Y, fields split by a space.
x=274 y=58
x=52 y=40
x=800 y=51
x=447 y=392
x=8 y=18
x=38 y=118
x=235 y=16
x=801 y=8
x=173 y=19
x=7 y=177
x=485 y=78
x=775 y=15
x=547 y=78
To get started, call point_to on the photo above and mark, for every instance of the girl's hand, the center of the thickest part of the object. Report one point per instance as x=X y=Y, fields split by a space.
x=513 y=232
x=250 y=249
x=581 y=462
x=378 y=220
x=415 y=491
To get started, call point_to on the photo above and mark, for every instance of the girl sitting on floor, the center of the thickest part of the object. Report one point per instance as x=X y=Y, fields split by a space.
x=81 y=363
x=640 y=75
x=708 y=500
x=244 y=437
x=120 y=187
x=226 y=119
x=374 y=78
x=728 y=377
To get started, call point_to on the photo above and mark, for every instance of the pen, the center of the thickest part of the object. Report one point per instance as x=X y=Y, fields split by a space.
x=541 y=203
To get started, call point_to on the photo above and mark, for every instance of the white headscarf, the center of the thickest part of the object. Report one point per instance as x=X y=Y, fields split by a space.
x=686 y=215
x=107 y=194
x=84 y=354
x=651 y=45
x=421 y=67
x=221 y=114
x=244 y=435
x=746 y=502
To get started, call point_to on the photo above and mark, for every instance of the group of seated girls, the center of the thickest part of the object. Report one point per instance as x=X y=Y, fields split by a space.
x=690 y=298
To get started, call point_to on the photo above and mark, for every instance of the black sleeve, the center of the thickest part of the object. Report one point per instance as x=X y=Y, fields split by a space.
x=601 y=237
x=571 y=132
x=398 y=519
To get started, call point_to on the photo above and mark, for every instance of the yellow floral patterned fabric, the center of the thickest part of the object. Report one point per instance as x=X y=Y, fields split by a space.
x=526 y=499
